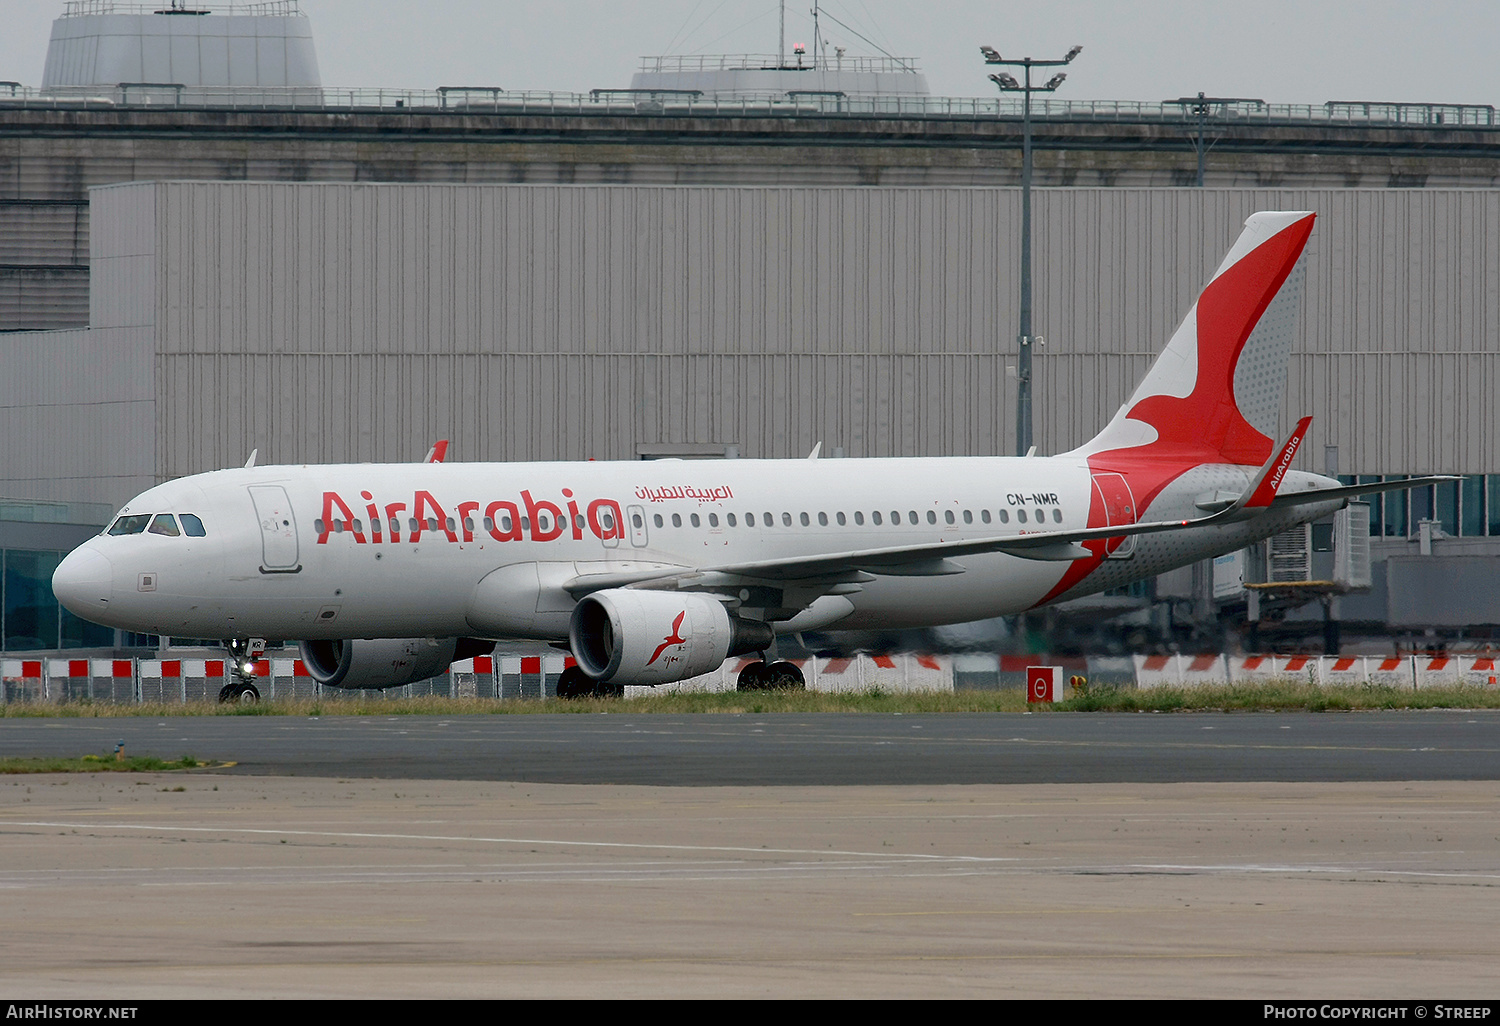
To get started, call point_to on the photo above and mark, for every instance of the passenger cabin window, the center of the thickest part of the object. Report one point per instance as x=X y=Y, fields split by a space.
x=192 y=526
x=165 y=524
x=133 y=524
x=1021 y=516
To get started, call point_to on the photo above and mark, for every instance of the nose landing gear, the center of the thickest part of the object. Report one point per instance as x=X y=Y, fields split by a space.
x=243 y=655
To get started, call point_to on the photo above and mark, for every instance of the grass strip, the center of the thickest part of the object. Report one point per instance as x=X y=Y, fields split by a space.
x=102 y=764
x=1275 y=696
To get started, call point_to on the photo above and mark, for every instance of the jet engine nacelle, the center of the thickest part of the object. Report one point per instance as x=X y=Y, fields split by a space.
x=657 y=637
x=376 y=663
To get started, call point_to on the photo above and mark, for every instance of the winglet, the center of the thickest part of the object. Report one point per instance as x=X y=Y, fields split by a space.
x=438 y=451
x=251 y=461
x=1263 y=489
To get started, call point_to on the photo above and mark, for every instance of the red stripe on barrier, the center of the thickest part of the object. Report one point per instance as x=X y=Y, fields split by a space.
x=263 y=667
x=78 y=667
x=31 y=668
x=531 y=664
x=929 y=662
x=299 y=668
x=1441 y=662
x=1484 y=664
x=171 y=668
x=1343 y=664
x=484 y=664
x=123 y=668
x=213 y=668
x=1297 y=662
x=1156 y=662
x=1202 y=662
x=1392 y=664
x=1015 y=664
x=886 y=662
x=1253 y=662
x=569 y=663
x=837 y=665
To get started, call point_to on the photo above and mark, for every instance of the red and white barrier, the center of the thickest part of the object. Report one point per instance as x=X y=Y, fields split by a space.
x=54 y=679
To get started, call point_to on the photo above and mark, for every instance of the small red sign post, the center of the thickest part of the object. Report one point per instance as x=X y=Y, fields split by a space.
x=1043 y=683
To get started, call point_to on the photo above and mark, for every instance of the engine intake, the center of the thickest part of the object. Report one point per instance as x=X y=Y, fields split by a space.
x=658 y=637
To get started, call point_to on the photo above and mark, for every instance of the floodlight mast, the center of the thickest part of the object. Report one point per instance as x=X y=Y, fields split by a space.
x=1008 y=84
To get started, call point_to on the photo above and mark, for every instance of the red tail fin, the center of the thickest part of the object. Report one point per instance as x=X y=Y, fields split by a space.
x=1214 y=394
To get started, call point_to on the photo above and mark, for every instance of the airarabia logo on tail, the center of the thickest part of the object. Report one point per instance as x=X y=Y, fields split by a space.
x=531 y=519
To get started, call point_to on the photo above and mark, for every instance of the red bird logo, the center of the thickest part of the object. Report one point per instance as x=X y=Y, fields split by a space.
x=675 y=638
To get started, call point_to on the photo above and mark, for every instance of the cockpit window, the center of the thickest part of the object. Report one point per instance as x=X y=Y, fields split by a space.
x=132 y=524
x=191 y=525
x=165 y=524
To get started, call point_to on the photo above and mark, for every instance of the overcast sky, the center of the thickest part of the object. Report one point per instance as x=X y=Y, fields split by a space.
x=1282 y=51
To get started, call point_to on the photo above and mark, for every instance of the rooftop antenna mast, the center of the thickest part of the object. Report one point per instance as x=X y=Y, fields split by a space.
x=817 y=38
x=781 y=42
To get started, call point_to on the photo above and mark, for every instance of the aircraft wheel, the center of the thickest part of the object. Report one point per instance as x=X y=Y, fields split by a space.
x=239 y=693
x=574 y=683
x=609 y=689
x=752 y=677
x=784 y=676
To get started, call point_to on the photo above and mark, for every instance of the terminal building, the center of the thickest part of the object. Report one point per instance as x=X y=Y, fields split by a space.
x=326 y=275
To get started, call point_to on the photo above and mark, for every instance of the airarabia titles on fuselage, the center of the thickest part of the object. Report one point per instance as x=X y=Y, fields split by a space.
x=531 y=519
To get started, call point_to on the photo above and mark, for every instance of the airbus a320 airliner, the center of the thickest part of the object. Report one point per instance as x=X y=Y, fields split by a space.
x=654 y=572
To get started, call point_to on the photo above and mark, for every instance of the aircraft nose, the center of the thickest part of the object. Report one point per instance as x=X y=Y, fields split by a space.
x=83 y=582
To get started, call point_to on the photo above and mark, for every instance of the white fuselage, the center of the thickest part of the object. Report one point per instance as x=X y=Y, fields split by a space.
x=369 y=551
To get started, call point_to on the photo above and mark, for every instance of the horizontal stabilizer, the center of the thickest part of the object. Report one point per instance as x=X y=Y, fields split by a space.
x=1354 y=491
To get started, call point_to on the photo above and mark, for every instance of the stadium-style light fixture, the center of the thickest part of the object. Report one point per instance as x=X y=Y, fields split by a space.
x=1024 y=338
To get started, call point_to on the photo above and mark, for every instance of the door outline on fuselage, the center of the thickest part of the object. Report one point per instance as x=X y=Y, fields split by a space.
x=1118 y=503
x=635 y=516
x=278 y=530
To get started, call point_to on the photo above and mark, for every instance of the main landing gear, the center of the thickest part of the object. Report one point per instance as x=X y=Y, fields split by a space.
x=243 y=655
x=574 y=683
x=778 y=676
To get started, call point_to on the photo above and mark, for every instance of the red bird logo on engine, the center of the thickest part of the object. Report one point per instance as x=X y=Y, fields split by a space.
x=675 y=638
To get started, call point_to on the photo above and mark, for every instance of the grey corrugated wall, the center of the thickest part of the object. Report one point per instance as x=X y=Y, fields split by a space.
x=329 y=322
